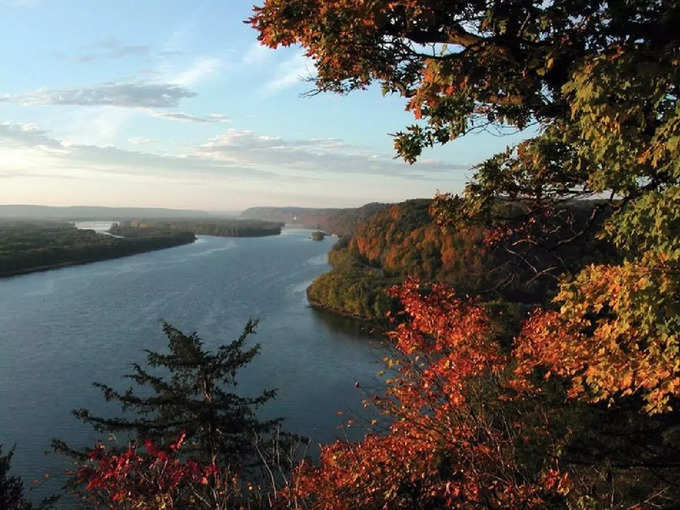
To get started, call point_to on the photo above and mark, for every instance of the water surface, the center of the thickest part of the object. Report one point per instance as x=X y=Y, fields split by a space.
x=61 y=330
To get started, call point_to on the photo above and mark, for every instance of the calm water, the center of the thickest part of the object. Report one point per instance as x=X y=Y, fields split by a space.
x=61 y=330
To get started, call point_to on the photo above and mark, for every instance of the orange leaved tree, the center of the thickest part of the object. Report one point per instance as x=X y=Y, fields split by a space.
x=593 y=377
x=452 y=443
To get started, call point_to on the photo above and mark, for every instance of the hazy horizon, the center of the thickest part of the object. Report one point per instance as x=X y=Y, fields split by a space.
x=211 y=211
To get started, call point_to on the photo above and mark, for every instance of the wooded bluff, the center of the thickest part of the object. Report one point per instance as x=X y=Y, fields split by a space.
x=403 y=240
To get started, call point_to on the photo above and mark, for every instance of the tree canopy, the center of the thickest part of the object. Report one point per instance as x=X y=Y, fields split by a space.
x=186 y=392
x=598 y=81
x=472 y=64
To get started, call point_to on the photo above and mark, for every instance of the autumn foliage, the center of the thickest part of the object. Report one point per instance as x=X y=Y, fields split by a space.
x=447 y=445
x=146 y=480
x=575 y=405
x=608 y=339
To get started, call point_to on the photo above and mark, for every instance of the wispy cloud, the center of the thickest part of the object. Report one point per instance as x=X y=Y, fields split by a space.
x=25 y=135
x=141 y=140
x=242 y=167
x=112 y=48
x=200 y=69
x=213 y=118
x=257 y=54
x=148 y=95
x=235 y=152
x=26 y=148
x=290 y=72
x=321 y=156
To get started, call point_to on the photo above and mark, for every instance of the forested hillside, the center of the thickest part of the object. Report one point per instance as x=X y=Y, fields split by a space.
x=403 y=240
x=575 y=404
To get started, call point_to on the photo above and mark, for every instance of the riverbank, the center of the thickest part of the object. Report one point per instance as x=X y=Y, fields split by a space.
x=224 y=227
x=28 y=247
x=62 y=265
x=367 y=325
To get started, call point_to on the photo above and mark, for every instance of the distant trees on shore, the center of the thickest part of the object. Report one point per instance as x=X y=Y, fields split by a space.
x=213 y=227
x=34 y=246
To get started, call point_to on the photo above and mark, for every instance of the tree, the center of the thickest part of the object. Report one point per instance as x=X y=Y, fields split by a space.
x=11 y=487
x=450 y=444
x=469 y=65
x=185 y=394
x=599 y=81
x=157 y=479
x=464 y=433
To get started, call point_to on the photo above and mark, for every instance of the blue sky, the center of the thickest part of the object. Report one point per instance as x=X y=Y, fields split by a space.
x=174 y=104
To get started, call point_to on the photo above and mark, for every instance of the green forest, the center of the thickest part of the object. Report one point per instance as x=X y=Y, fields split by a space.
x=27 y=246
x=211 y=227
x=35 y=245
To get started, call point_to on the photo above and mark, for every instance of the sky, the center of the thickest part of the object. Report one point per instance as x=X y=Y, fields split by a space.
x=161 y=103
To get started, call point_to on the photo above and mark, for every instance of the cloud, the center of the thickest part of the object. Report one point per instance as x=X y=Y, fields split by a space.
x=140 y=140
x=290 y=72
x=202 y=68
x=113 y=49
x=257 y=54
x=23 y=135
x=239 y=166
x=322 y=156
x=213 y=118
x=26 y=148
x=135 y=95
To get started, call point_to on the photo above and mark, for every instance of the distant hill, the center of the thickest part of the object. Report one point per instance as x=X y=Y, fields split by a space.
x=94 y=213
x=334 y=221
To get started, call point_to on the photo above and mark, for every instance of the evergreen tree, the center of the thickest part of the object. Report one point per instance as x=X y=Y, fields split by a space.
x=11 y=487
x=192 y=397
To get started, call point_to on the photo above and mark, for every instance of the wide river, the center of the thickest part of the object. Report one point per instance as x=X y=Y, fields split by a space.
x=61 y=330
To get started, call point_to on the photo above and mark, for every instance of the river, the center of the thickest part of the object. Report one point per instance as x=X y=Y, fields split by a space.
x=61 y=330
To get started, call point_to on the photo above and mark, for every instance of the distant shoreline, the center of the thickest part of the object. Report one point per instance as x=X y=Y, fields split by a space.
x=82 y=262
